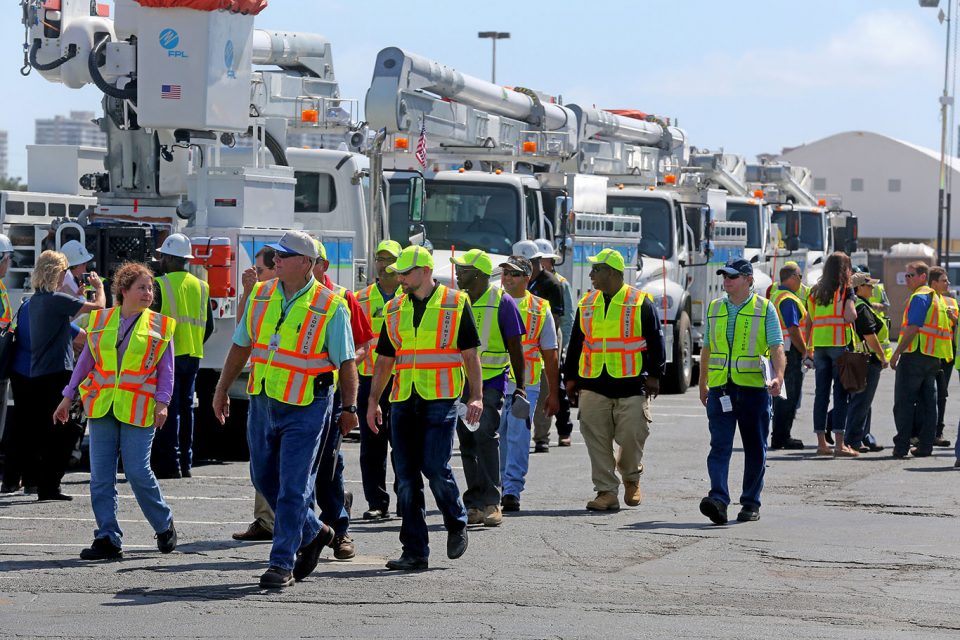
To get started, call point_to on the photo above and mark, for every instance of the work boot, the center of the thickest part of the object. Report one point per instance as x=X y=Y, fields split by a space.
x=343 y=547
x=632 y=494
x=564 y=441
x=276 y=578
x=492 y=515
x=605 y=501
x=541 y=447
x=940 y=441
x=255 y=531
x=510 y=503
x=102 y=549
x=309 y=556
x=714 y=509
x=474 y=516
x=167 y=540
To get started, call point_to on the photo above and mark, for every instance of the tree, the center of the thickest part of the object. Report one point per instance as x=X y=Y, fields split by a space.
x=12 y=184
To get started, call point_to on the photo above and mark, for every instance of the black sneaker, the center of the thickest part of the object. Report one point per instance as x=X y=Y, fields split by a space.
x=714 y=509
x=56 y=495
x=185 y=473
x=748 y=513
x=276 y=578
x=510 y=503
x=541 y=447
x=102 y=549
x=377 y=514
x=309 y=556
x=167 y=541
x=407 y=563
x=456 y=543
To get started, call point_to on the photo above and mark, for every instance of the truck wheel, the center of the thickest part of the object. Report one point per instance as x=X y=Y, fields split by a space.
x=680 y=371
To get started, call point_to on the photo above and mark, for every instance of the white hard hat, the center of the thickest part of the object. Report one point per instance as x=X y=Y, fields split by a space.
x=76 y=253
x=5 y=245
x=177 y=245
x=528 y=249
x=546 y=248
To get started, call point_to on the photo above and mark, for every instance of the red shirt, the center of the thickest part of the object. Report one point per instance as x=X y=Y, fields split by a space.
x=362 y=331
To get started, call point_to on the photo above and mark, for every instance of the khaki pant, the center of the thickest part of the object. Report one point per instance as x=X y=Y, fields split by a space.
x=263 y=512
x=605 y=421
x=541 y=421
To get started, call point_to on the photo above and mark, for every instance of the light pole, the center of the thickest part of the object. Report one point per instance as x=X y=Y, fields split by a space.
x=494 y=36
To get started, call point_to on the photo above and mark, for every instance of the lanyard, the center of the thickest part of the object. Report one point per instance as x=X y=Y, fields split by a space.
x=286 y=308
x=127 y=332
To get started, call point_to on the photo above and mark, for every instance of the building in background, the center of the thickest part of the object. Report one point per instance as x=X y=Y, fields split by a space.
x=889 y=184
x=76 y=129
x=4 y=158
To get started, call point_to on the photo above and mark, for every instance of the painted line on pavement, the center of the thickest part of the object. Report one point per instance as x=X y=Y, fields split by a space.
x=67 y=544
x=122 y=521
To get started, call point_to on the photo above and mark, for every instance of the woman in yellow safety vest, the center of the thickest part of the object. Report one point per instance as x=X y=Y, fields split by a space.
x=125 y=380
x=830 y=317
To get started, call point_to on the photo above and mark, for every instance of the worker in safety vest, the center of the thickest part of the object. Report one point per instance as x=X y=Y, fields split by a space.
x=185 y=298
x=792 y=312
x=736 y=383
x=613 y=367
x=296 y=334
x=373 y=445
x=802 y=292
x=501 y=346
x=332 y=498
x=541 y=364
x=428 y=344
x=925 y=340
x=6 y=259
x=940 y=283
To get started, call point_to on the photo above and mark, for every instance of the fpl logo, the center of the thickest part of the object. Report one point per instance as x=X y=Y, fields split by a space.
x=170 y=40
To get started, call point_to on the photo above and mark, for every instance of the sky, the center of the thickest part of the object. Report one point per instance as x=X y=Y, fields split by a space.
x=747 y=76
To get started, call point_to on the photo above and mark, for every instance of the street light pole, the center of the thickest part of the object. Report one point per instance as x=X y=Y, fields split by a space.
x=946 y=101
x=494 y=36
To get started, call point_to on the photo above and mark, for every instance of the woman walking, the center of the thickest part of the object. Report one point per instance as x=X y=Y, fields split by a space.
x=871 y=331
x=125 y=380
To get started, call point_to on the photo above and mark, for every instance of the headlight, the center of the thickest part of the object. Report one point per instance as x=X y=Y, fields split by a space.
x=658 y=302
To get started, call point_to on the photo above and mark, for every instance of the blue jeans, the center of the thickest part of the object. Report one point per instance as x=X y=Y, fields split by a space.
x=859 y=408
x=373 y=449
x=751 y=411
x=329 y=494
x=421 y=434
x=825 y=360
x=109 y=440
x=173 y=446
x=284 y=440
x=515 y=442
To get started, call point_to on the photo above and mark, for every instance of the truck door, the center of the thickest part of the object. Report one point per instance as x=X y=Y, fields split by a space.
x=533 y=214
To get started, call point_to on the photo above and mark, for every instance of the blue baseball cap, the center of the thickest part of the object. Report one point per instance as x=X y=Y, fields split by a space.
x=736 y=267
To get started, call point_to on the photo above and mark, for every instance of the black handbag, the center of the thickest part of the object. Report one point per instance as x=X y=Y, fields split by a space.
x=853 y=364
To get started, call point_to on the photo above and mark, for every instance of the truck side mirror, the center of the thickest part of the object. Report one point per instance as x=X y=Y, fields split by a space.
x=793 y=230
x=417 y=196
x=562 y=212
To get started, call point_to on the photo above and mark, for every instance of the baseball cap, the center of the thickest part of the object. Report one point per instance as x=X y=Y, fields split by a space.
x=411 y=258
x=792 y=263
x=297 y=242
x=518 y=263
x=546 y=249
x=476 y=258
x=528 y=249
x=321 y=250
x=862 y=268
x=859 y=279
x=390 y=246
x=610 y=257
x=735 y=267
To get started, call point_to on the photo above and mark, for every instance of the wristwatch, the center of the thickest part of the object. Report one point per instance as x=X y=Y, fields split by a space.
x=350 y=408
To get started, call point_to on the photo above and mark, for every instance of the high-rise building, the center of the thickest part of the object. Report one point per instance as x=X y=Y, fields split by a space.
x=4 y=166
x=75 y=129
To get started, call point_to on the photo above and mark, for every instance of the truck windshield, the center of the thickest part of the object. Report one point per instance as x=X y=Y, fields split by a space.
x=656 y=222
x=749 y=213
x=811 y=229
x=461 y=215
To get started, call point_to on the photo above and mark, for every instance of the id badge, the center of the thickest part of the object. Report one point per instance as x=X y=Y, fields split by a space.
x=726 y=404
x=274 y=342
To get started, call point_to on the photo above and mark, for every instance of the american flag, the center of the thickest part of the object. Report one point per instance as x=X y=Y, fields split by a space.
x=421 y=154
x=170 y=91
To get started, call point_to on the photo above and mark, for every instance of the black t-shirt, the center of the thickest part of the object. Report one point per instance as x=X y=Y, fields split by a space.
x=867 y=323
x=51 y=348
x=547 y=286
x=467 y=336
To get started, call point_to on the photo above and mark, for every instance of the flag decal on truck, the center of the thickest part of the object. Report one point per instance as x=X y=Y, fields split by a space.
x=170 y=91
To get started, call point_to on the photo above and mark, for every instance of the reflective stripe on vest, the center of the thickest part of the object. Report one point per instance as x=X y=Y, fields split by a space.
x=534 y=312
x=285 y=367
x=743 y=366
x=829 y=327
x=781 y=295
x=6 y=316
x=427 y=358
x=935 y=337
x=612 y=335
x=186 y=299
x=372 y=303
x=494 y=358
x=129 y=392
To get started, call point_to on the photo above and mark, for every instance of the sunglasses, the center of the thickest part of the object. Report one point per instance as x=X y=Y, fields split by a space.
x=514 y=274
x=286 y=254
x=727 y=276
x=598 y=268
x=910 y=275
x=382 y=260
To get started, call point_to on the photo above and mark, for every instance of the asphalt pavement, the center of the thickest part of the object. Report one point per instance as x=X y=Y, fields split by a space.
x=860 y=548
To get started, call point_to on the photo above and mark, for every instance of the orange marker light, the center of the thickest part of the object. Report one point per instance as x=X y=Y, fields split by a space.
x=670 y=179
x=821 y=202
x=529 y=146
x=498 y=171
x=758 y=193
x=461 y=170
x=401 y=143
x=309 y=115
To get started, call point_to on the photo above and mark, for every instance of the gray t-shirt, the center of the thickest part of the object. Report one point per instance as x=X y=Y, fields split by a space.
x=50 y=337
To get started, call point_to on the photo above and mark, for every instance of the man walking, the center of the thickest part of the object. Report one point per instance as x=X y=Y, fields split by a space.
x=614 y=364
x=940 y=283
x=430 y=341
x=925 y=340
x=185 y=298
x=541 y=363
x=501 y=347
x=296 y=334
x=792 y=314
x=735 y=386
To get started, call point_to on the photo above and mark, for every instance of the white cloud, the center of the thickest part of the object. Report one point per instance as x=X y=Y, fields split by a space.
x=879 y=49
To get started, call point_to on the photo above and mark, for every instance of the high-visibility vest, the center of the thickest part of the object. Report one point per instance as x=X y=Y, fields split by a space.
x=289 y=350
x=935 y=337
x=6 y=316
x=372 y=303
x=741 y=364
x=559 y=277
x=883 y=335
x=829 y=327
x=786 y=294
x=950 y=302
x=534 y=312
x=186 y=299
x=803 y=292
x=612 y=336
x=494 y=358
x=130 y=389
x=427 y=359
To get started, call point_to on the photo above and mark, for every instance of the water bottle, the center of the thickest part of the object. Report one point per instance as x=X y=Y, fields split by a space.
x=462 y=412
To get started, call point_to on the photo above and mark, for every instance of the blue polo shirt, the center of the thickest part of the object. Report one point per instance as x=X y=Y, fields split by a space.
x=771 y=324
x=917 y=309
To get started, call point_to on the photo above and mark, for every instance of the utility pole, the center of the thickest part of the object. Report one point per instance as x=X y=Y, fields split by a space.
x=494 y=36
x=946 y=102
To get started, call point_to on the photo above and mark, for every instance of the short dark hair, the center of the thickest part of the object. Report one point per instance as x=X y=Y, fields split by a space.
x=126 y=276
x=267 y=253
x=788 y=271
x=919 y=267
x=936 y=274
